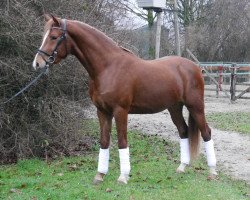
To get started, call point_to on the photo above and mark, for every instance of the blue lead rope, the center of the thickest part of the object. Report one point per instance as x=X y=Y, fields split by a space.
x=44 y=71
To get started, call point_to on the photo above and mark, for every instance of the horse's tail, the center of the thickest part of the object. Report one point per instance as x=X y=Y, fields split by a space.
x=194 y=137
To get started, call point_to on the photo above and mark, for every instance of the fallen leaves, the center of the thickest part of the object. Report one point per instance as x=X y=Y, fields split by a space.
x=108 y=190
x=73 y=167
x=15 y=190
x=60 y=174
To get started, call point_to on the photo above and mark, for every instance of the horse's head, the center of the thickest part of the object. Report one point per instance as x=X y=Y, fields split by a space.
x=54 y=45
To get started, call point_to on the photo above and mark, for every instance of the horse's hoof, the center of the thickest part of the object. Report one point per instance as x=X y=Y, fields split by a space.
x=212 y=171
x=179 y=171
x=181 y=168
x=213 y=175
x=123 y=179
x=98 y=179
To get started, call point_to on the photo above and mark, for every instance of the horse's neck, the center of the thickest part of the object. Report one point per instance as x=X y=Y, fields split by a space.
x=93 y=49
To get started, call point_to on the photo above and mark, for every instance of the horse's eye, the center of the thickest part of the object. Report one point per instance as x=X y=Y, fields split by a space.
x=53 y=37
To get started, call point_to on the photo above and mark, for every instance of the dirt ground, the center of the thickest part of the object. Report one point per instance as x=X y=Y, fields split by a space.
x=232 y=149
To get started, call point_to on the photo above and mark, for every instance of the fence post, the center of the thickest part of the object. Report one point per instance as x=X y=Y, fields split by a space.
x=217 y=91
x=220 y=80
x=233 y=81
x=217 y=86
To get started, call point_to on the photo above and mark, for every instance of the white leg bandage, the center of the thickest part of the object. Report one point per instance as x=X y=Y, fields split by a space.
x=103 y=162
x=124 y=161
x=209 y=147
x=185 y=151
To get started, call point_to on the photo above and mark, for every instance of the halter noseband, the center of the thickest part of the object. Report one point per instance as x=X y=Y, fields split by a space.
x=52 y=57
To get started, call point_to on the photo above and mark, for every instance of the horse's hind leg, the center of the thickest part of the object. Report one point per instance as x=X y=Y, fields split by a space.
x=198 y=114
x=103 y=161
x=177 y=117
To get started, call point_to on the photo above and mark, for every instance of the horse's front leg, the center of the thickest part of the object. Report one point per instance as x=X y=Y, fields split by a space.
x=105 y=121
x=121 y=120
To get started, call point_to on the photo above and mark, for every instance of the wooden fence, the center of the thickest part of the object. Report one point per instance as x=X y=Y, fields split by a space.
x=232 y=79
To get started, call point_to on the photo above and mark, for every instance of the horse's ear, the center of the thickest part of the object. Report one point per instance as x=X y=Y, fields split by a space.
x=47 y=17
x=55 y=20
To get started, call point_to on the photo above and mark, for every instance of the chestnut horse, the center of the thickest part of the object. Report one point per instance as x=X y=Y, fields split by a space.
x=121 y=83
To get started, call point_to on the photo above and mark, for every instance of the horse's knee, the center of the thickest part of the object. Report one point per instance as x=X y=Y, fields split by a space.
x=104 y=144
x=123 y=144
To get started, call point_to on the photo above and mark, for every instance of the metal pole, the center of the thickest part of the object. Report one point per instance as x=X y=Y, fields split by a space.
x=176 y=28
x=158 y=34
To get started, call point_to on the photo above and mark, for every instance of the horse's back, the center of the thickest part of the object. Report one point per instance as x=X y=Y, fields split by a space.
x=172 y=62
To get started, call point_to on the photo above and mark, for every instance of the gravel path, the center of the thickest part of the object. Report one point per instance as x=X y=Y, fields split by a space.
x=232 y=149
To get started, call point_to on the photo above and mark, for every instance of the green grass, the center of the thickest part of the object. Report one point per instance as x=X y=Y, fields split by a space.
x=233 y=121
x=153 y=176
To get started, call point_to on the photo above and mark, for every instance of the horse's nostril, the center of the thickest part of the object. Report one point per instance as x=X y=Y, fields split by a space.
x=37 y=64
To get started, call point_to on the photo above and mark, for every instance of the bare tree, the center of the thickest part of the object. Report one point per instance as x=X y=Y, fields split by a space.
x=224 y=33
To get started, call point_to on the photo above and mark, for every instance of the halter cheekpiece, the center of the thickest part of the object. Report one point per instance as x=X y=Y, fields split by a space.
x=52 y=57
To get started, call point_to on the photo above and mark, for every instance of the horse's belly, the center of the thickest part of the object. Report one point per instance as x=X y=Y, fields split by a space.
x=145 y=110
x=154 y=101
x=149 y=106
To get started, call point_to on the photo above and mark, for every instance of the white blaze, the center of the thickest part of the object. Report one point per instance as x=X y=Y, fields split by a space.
x=44 y=39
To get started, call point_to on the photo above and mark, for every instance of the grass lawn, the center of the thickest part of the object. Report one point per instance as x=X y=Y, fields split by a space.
x=153 y=176
x=233 y=121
